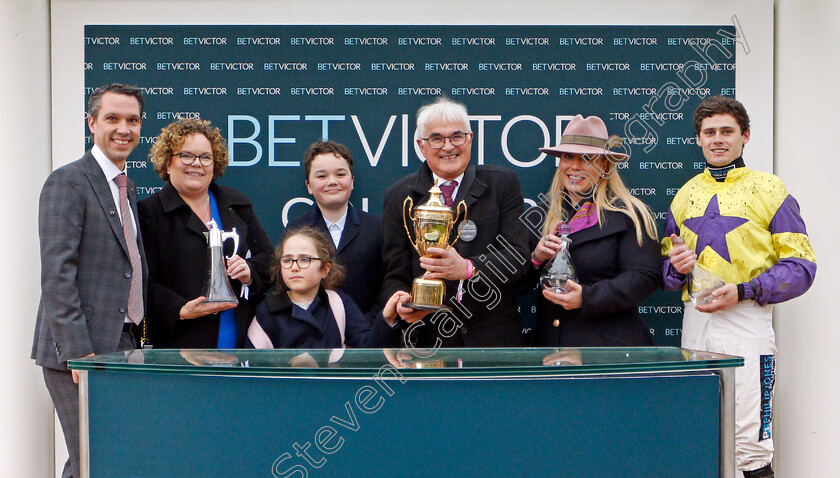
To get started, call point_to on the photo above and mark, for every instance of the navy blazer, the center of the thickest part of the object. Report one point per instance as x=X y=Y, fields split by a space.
x=359 y=251
x=616 y=275
x=176 y=248
x=290 y=327
x=488 y=314
x=85 y=269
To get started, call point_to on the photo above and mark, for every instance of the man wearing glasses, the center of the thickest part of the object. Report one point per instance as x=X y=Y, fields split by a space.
x=491 y=254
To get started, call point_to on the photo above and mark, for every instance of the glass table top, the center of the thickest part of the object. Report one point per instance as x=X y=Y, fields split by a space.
x=431 y=363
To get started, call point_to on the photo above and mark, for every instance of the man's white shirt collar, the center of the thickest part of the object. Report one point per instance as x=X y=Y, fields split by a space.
x=108 y=167
x=439 y=180
x=340 y=224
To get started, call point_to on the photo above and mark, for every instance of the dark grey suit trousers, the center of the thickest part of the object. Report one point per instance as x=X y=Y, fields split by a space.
x=65 y=397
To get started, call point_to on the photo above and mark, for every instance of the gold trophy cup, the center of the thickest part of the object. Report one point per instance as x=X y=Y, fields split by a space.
x=433 y=223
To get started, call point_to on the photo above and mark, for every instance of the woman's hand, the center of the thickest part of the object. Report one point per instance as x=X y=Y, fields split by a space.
x=198 y=308
x=237 y=268
x=570 y=300
x=547 y=247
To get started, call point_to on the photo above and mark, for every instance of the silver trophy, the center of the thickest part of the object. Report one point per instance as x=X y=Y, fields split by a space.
x=217 y=288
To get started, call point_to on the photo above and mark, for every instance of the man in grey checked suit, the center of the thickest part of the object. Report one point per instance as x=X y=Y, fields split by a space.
x=88 y=302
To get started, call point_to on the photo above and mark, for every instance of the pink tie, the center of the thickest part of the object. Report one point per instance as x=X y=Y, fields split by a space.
x=135 y=292
x=447 y=190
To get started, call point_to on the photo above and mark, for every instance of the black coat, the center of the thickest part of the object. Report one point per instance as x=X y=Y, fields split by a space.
x=488 y=314
x=176 y=249
x=359 y=251
x=290 y=327
x=616 y=275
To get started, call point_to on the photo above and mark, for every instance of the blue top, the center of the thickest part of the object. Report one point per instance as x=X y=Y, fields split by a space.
x=227 y=320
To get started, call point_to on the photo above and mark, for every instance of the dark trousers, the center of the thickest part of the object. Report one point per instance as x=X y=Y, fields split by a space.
x=65 y=397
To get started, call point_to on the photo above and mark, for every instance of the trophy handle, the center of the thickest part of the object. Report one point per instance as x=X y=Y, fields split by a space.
x=231 y=235
x=410 y=203
x=458 y=217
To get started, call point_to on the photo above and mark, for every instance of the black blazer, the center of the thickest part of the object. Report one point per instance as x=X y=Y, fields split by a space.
x=359 y=251
x=176 y=249
x=488 y=314
x=616 y=275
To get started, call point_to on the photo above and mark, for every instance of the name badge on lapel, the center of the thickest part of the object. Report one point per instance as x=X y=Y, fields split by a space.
x=467 y=231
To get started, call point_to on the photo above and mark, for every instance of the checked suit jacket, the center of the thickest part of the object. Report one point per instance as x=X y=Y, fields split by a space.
x=85 y=268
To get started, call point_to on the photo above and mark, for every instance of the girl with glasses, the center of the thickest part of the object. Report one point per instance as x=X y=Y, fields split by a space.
x=307 y=310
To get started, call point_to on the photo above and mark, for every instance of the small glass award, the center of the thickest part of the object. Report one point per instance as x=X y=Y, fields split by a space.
x=560 y=269
x=701 y=282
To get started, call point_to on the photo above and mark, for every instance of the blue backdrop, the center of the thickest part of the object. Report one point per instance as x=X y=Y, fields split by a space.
x=273 y=90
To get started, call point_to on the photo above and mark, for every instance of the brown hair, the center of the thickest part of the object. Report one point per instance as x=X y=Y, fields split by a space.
x=323 y=147
x=172 y=138
x=721 y=105
x=95 y=100
x=326 y=252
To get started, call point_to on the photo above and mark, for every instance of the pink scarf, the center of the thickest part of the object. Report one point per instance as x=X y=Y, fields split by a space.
x=584 y=218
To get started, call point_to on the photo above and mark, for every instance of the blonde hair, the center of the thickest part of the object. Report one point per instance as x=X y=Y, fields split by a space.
x=610 y=195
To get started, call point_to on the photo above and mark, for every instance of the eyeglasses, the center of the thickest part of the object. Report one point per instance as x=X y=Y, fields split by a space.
x=302 y=261
x=187 y=159
x=437 y=141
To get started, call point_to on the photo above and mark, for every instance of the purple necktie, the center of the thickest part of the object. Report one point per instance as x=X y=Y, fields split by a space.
x=447 y=190
x=135 y=292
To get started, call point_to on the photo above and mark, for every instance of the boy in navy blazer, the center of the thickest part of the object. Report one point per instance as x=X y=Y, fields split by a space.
x=355 y=233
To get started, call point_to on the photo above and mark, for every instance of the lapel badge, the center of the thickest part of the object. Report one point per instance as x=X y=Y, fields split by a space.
x=467 y=230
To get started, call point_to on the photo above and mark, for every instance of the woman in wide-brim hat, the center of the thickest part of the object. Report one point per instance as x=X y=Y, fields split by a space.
x=614 y=248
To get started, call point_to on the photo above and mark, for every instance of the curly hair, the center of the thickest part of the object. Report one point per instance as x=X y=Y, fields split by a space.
x=172 y=138
x=326 y=252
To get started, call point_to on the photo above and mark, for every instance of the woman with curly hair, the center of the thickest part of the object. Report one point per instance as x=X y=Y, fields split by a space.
x=189 y=156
